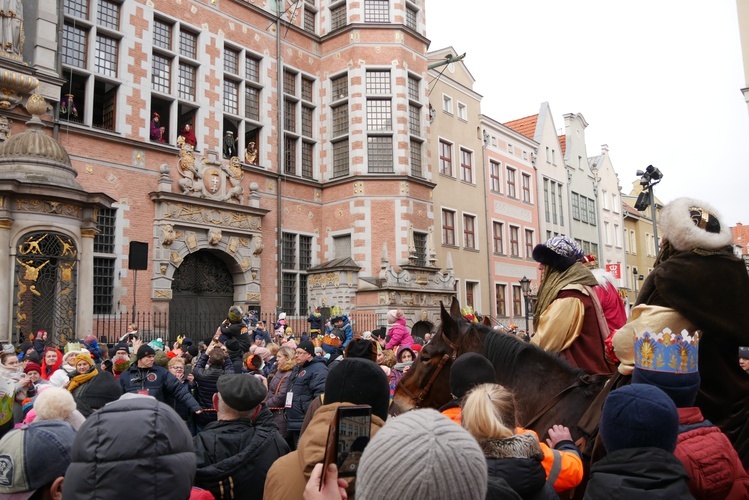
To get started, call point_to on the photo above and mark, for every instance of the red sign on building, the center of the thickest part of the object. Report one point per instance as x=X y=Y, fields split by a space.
x=615 y=270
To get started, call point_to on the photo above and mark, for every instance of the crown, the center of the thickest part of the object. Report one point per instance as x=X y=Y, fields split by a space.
x=468 y=313
x=667 y=351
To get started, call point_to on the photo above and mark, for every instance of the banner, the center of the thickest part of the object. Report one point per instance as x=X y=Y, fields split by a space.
x=615 y=270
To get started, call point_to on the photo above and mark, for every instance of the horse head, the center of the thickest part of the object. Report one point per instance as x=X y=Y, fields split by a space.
x=427 y=382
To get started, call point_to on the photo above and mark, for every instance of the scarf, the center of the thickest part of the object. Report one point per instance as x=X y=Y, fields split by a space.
x=82 y=378
x=553 y=283
x=9 y=379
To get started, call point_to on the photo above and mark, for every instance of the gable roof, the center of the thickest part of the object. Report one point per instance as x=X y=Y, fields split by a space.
x=594 y=161
x=524 y=126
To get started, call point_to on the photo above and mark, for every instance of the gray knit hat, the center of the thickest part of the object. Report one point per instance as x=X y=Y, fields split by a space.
x=443 y=460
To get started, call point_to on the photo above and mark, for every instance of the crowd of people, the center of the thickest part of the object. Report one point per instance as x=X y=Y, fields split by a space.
x=246 y=412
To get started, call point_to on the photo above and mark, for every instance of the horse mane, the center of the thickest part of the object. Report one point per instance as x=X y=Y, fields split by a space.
x=516 y=357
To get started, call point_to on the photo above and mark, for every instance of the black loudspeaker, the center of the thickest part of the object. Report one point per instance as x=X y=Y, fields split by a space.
x=138 y=258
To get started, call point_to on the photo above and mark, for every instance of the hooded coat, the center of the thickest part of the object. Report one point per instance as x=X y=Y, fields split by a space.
x=399 y=335
x=234 y=456
x=289 y=474
x=135 y=447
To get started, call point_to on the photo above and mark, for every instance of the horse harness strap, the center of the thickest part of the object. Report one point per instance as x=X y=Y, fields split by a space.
x=423 y=393
x=583 y=380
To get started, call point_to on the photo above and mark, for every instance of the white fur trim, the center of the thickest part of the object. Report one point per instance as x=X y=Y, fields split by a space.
x=54 y=403
x=679 y=229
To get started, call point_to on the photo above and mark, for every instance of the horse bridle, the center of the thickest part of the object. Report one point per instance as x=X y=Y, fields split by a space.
x=440 y=366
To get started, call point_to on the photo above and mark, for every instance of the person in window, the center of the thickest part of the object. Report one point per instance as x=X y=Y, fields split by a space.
x=230 y=145
x=187 y=136
x=157 y=131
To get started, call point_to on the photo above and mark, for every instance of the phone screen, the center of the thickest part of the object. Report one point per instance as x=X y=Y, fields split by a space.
x=347 y=438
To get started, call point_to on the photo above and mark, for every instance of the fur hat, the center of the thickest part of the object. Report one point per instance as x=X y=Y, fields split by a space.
x=688 y=223
x=639 y=416
x=57 y=403
x=443 y=460
x=235 y=314
x=559 y=252
x=358 y=381
x=468 y=371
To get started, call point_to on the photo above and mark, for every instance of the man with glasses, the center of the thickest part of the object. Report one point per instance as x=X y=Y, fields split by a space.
x=307 y=382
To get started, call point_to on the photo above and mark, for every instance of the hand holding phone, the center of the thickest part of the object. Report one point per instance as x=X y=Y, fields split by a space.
x=347 y=437
x=331 y=487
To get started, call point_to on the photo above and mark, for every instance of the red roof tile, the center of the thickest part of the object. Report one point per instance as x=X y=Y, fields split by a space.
x=525 y=126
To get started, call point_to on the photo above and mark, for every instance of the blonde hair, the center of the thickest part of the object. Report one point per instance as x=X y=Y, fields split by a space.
x=273 y=348
x=176 y=361
x=489 y=412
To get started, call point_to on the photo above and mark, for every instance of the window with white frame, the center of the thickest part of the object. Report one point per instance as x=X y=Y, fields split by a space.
x=337 y=15
x=510 y=149
x=526 y=185
x=501 y=299
x=632 y=242
x=310 y=16
x=296 y=258
x=498 y=235
x=469 y=231
x=379 y=122
x=448 y=227
x=91 y=84
x=340 y=116
x=511 y=191
x=547 y=211
x=416 y=139
x=614 y=203
x=529 y=243
x=299 y=109
x=554 y=208
x=104 y=261
x=617 y=236
x=447 y=104
x=466 y=165
x=514 y=241
x=472 y=293
x=420 y=245
x=412 y=15
x=575 y=200
x=462 y=111
x=607 y=232
x=446 y=158
x=517 y=300
x=494 y=168
x=376 y=11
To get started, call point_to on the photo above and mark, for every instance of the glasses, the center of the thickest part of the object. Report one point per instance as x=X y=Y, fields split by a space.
x=178 y=367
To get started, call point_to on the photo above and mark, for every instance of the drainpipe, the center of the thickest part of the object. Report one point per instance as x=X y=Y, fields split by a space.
x=489 y=249
x=279 y=134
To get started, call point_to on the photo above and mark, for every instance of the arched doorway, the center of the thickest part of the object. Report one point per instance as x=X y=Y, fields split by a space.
x=202 y=293
x=44 y=295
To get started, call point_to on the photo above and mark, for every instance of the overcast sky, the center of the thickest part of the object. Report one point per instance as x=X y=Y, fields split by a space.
x=658 y=81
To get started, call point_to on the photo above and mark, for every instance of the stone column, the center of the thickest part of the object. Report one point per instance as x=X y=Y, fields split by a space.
x=85 y=303
x=6 y=288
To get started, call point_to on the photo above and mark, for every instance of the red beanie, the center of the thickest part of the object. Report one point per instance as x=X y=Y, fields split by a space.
x=32 y=367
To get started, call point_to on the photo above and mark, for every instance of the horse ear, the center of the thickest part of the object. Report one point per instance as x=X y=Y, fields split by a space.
x=486 y=321
x=455 y=308
x=448 y=323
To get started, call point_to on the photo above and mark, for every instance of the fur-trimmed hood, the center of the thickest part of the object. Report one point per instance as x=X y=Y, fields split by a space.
x=679 y=228
x=517 y=446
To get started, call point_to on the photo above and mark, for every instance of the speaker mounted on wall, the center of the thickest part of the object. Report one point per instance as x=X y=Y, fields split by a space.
x=138 y=258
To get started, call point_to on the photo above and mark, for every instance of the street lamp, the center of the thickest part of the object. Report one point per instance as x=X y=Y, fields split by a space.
x=649 y=178
x=525 y=286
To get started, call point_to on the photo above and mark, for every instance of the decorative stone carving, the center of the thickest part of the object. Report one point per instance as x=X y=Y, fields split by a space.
x=214 y=236
x=11 y=29
x=175 y=259
x=5 y=129
x=192 y=240
x=162 y=293
x=211 y=178
x=169 y=235
x=227 y=218
x=258 y=245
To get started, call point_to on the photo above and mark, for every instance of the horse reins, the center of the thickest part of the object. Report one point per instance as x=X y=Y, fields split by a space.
x=440 y=366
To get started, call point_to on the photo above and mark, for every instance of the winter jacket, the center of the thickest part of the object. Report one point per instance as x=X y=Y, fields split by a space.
x=131 y=448
x=709 y=459
x=278 y=386
x=315 y=322
x=348 y=332
x=234 y=456
x=61 y=375
x=289 y=474
x=307 y=382
x=517 y=460
x=206 y=380
x=182 y=410
x=158 y=382
x=399 y=335
x=263 y=334
x=639 y=473
x=232 y=331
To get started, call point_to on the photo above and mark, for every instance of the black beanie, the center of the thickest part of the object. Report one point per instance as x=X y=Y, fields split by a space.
x=468 y=371
x=361 y=348
x=308 y=346
x=358 y=381
x=193 y=350
x=121 y=346
x=682 y=388
x=143 y=351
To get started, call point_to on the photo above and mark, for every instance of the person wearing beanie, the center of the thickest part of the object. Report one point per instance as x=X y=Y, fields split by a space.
x=121 y=360
x=85 y=370
x=233 y=328
x=489 y=416
x=455 y=467
x=307 y=382
x=351 y=381
x=361 y=348
x=235 y=452
x=55 y=403
x=468 y=371
x=90 y=343
x=398 y=333
x=568 y=322
x=136 y=447
x=146 y=379
x=713 y=465
x=698 y=284
x=639 y=428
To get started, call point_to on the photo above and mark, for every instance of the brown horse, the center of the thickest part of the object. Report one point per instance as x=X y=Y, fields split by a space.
x=548 y=391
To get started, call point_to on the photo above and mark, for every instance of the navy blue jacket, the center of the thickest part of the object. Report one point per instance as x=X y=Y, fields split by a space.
x=308 y=382
x=159 y=383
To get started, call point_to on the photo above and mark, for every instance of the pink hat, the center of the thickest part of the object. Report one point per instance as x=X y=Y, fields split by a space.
x=263 y=352
x=393 y=315
x=290 y=343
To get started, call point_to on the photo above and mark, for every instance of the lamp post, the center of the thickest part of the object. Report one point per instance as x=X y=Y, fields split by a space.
x=525 y=286
x=649 y=178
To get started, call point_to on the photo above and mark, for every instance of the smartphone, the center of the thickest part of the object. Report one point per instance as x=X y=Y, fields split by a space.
x=347 y=437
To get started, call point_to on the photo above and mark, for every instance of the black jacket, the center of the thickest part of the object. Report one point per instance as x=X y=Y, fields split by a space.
x=159 y=383
x=206 y=380
x=308 y=382
x=517 y=460
x=234 y=456
x=641 y=473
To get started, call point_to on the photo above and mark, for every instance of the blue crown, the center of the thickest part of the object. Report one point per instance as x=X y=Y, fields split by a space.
x=667 y=351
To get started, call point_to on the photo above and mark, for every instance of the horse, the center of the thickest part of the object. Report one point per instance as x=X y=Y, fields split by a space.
x=547 y=390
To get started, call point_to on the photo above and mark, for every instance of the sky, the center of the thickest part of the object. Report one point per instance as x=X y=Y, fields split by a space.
x=659 y=82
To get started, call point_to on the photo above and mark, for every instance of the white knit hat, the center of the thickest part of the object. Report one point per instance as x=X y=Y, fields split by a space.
x=443 y=461
x=393 y=315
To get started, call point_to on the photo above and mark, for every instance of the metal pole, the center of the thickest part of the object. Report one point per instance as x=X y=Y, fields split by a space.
x=655 y=224
x=527 y=331
x=135 y=291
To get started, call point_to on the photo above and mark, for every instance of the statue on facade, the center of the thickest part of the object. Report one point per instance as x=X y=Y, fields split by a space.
x=250 y=153
x=5 y=132
x=11 y=29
